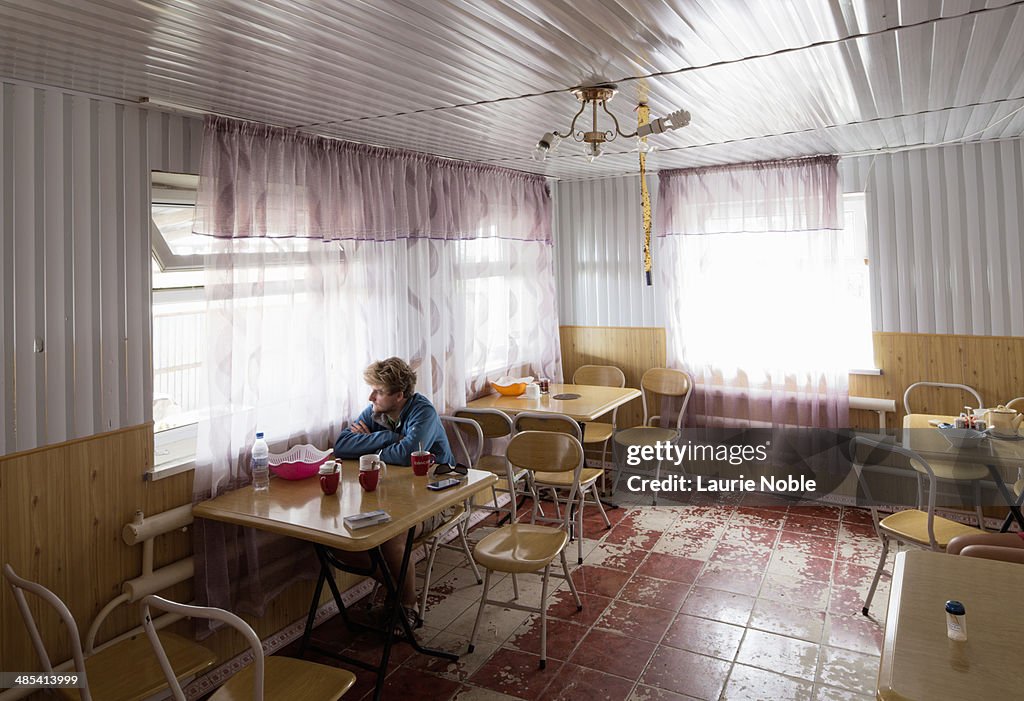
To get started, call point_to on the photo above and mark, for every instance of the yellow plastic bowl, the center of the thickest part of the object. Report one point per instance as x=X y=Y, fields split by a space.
x=510 y=390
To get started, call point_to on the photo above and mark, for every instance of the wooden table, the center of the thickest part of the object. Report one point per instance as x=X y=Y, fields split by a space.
x=593 y=402
x=299 y=509
x=997 y=454
x=919 y=662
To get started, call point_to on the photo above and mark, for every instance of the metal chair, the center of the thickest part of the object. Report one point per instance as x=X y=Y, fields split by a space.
x=123 y=671
x=664 y=382
x=277 y=678
x=944 y=385
x=597 y=432
x=493 y=425
x=519 y=548
x=458 y=519
x=920 y=527
x=555 y=481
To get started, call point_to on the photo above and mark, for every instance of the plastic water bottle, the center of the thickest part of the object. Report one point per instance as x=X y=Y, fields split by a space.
x=260 y=464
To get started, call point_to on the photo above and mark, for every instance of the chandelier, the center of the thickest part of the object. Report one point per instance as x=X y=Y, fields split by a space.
x=593 y=141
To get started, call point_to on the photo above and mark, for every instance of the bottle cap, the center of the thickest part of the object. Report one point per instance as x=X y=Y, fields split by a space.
x=955 y=608
x=259 y=434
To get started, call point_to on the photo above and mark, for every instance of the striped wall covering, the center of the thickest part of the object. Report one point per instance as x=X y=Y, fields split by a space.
x=945 y=237
x=75 y=260
x=599 y=253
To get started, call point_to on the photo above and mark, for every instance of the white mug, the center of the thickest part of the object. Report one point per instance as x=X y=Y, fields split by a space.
x=370 y=462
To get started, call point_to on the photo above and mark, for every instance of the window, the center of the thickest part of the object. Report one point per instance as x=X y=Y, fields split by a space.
x=178 y=304
x=797 y=300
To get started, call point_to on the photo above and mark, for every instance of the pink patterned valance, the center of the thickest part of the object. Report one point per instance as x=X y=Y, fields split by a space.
x=262 y=181
x=793 y=195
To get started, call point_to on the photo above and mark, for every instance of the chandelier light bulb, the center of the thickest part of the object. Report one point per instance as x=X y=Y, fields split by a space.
x=592 y=151
x=547 y=144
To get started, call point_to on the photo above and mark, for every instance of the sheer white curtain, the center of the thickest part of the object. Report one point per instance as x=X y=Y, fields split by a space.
x=332 y=255
x=756 y=274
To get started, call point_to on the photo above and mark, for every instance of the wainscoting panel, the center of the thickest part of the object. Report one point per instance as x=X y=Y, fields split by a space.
x=632 y=350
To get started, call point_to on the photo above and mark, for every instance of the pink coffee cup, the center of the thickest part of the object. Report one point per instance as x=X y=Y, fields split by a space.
x=421 y=462
x=368 y=479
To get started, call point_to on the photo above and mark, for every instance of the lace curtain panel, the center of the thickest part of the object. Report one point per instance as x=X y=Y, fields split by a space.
x=292 y=323
x=755 y=272
x=798 y=195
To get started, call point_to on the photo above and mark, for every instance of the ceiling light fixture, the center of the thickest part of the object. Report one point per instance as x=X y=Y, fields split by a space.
x=593 y=141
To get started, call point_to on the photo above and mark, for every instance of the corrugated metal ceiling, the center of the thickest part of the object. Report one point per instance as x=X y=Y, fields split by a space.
x=481 y=81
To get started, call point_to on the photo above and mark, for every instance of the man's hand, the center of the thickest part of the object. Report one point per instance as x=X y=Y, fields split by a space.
x=358 y=427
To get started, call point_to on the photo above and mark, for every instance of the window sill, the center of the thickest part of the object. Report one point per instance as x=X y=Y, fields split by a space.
x=169 y=468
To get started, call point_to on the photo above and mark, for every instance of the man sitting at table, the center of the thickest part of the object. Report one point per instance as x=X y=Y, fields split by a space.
x=397 y=422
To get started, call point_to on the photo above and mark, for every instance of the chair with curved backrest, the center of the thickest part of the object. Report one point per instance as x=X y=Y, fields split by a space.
x=920 y=527
x=943 y=385
x=457 y=518
x=1017 y=404
x=520 y=548
x=663 y=382
x=597 y=432
x=106 y=675
x=275 y=677
x=493 y=425
x=560 y=423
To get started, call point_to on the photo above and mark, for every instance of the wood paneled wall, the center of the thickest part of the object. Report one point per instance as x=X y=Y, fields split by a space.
x=994 y=365
x=61 y=512
x=632 y=350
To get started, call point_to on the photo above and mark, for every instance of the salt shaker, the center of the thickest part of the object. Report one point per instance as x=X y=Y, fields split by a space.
x=956 y=621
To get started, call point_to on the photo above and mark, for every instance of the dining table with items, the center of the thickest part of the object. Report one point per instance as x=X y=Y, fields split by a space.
x=938 y=438
x=583 y=403
x=351 y=510
x=950 y=629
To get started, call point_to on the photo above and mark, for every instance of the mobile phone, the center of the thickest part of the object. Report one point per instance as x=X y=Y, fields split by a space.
x=443 y=484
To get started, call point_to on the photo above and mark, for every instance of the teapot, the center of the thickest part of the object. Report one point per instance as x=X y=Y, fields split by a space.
x=1003 y=421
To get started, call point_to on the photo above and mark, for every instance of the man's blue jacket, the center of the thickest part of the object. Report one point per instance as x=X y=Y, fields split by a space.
x=417 y=425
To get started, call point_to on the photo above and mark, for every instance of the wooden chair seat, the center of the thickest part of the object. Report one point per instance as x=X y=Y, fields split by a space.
x=588 y=476
x=124 y=671
x=286 y=678
x=109 y=678
x=520 y=547
x=645 y=435
x=912 y=525
x=954 y=470
x=597 y=433
x=492 y=463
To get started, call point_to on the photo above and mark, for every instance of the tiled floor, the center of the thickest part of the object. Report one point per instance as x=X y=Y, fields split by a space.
x=702 y=601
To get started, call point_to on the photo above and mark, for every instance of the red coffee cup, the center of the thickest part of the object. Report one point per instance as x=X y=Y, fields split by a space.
x=421 y=462
x=329 y=483
x=368 y=479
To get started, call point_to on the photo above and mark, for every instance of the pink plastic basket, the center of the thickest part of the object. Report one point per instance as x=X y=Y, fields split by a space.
x=300 y=462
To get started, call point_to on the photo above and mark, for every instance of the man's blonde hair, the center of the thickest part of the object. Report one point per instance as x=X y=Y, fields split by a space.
x=393 y=375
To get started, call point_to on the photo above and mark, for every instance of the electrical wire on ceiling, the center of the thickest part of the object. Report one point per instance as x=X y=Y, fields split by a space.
x=676 y=71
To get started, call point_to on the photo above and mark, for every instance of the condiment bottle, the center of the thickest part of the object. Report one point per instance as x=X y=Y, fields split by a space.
x=956 y=621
